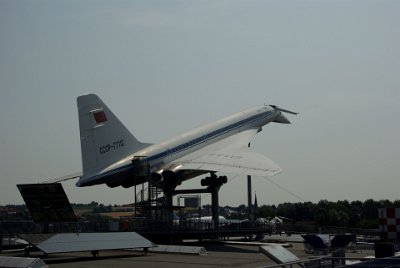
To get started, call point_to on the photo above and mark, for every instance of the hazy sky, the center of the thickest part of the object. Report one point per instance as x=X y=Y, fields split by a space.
x=165 y=67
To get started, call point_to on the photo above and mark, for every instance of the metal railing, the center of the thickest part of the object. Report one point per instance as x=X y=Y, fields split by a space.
x=335 y=262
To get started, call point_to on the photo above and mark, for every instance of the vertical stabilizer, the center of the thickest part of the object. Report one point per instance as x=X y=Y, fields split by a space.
x=104 y=139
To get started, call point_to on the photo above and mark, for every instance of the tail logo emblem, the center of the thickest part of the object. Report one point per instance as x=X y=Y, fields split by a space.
x=100 y=117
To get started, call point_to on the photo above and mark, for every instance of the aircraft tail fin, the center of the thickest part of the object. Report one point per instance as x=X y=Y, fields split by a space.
x=104 y=139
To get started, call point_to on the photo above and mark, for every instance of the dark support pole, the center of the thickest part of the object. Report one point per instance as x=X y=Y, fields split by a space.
x=169 y=185
x=249 y=204
x=215 y=206
x=46 y=225
x=136 y=211
x=169 y=207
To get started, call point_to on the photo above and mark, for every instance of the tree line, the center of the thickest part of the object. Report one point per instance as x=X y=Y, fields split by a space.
x=355 y=214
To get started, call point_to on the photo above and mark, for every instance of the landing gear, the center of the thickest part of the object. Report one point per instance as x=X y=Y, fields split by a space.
x=169 y=180
x=168 y=184
x=213 y=184
x=213 y=180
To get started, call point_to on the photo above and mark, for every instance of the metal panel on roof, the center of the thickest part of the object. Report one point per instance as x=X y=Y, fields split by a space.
x=19 y=262
x=179 y=249
x=47 y=202
x=73 y=242
x=278 y=253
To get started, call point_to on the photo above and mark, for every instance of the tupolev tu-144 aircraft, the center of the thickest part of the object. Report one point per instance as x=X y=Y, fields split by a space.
x=109 y=149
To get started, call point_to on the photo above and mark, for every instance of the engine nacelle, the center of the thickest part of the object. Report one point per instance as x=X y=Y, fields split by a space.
x=113 y=184
x=214 y=181
x=128 y=183
x=156 y=177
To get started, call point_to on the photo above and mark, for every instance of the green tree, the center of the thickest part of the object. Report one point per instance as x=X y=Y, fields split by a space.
x=265 y=211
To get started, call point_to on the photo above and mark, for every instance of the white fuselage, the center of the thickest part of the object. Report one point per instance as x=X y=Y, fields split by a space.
x=162 y=153
x=159 y=155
